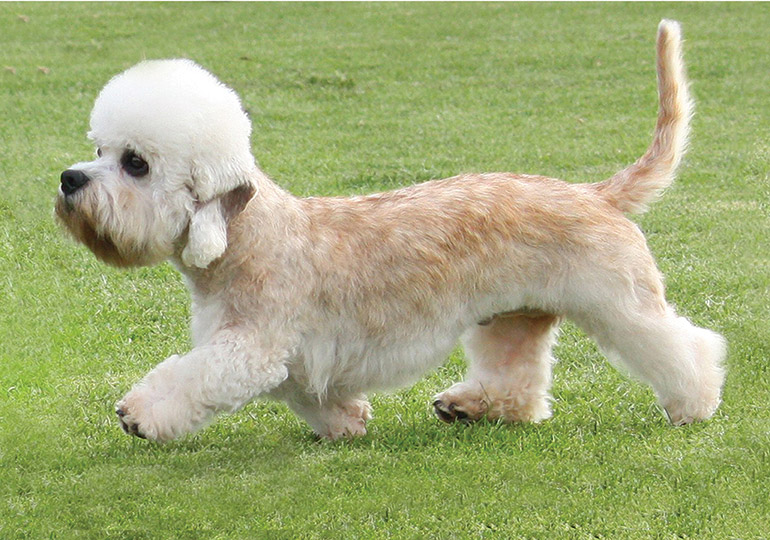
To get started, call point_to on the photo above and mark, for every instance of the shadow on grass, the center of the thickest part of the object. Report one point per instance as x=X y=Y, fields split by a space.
x=256 y=439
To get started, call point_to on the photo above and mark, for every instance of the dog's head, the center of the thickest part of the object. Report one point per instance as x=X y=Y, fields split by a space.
x=172 y=144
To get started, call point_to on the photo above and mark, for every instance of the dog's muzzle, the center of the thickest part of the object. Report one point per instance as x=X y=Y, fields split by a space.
x=72 y=180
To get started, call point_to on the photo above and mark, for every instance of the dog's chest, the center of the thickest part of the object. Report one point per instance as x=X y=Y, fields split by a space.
x=207 y=316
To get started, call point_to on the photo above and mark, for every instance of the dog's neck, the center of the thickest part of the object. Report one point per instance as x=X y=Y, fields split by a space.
x=258 y=216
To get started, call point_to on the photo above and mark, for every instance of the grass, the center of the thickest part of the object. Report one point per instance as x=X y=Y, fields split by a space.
x=351 y=98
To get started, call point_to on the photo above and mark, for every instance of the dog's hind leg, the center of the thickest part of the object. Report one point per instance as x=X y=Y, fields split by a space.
x=682 y=362
x=509 y=376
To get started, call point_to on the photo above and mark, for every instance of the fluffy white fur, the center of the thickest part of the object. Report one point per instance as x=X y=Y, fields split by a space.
x=315 y=301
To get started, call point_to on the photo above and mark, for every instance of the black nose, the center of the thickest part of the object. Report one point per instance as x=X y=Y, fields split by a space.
x=72 y=180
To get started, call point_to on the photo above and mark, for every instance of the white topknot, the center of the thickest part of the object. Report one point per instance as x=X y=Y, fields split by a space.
x=175 y=109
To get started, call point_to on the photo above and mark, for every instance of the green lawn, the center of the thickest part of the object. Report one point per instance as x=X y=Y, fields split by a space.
x=351 y=98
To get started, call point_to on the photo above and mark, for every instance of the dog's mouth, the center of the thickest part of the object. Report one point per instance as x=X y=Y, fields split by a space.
x=105 y=249
x=79 y=225
x=64 y=205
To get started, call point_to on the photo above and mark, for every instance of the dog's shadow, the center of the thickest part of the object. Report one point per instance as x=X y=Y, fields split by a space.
x=267 y=437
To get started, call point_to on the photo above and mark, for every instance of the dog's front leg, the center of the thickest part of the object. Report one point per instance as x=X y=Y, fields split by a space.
x=183 y=393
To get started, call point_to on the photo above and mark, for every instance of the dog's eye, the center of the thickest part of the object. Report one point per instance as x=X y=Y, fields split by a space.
x=134 y=165
x=98 y=152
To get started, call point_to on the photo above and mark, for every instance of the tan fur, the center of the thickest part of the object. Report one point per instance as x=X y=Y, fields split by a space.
x=316 y=300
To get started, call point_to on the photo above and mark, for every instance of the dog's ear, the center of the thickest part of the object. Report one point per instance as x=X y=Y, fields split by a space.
x=222 y=186
x=207 y=235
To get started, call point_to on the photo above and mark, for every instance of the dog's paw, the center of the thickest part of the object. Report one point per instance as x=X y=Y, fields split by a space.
x=449 y=412
x=681 y=413
x=135 y=414
x=470 y=401
x=461 y=403
x=151 y=415
x=127 y=422
x=347 y=420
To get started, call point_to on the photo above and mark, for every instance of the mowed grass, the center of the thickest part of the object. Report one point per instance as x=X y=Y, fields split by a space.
x=353 y=98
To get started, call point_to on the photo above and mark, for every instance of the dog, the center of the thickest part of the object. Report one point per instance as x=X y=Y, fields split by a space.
x=315 y=301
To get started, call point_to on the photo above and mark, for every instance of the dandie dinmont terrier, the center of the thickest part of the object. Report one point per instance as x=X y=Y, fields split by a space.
x=314 y=301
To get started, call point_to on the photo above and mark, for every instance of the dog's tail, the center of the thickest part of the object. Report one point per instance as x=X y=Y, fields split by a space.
x=635 y=187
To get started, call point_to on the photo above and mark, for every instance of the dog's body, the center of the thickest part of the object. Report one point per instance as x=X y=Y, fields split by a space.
x=315 y=301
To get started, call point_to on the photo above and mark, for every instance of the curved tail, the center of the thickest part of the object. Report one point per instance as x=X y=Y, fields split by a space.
x=635 y=187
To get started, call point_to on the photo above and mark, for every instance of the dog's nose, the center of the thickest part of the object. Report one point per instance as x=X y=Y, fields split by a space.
x=72 y=180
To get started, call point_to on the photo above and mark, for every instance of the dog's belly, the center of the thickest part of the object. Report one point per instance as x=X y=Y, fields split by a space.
x=349 y=359
x=353 y=363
